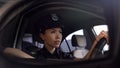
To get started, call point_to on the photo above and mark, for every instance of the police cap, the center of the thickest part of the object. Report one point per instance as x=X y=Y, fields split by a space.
x=49 y=21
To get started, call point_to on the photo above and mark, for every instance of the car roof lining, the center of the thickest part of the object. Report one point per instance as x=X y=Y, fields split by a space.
x=72 y=18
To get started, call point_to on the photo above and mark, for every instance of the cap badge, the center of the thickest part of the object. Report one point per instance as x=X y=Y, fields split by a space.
x=54 y=17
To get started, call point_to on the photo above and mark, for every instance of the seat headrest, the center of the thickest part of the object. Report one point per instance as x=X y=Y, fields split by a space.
x=79 y=40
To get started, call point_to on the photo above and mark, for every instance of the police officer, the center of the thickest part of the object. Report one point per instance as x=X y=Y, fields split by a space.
x=50 y=32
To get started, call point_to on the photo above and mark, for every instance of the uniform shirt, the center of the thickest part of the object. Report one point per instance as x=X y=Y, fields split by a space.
x=58 y=54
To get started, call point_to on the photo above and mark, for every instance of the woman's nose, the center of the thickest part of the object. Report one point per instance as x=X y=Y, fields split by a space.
x=59 y=36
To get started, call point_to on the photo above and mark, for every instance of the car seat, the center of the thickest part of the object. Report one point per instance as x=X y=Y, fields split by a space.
x=79 y=42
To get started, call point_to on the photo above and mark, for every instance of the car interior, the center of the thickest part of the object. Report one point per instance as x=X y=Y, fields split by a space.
x=78 y=18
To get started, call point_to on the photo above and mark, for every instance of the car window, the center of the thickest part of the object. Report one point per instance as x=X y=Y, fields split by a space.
x=99 y=28
x=66 y=45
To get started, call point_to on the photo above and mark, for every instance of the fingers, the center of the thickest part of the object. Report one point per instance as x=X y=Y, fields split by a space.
x=103 y=34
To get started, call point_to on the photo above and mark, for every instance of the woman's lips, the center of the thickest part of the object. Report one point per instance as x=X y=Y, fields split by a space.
x=57 y=42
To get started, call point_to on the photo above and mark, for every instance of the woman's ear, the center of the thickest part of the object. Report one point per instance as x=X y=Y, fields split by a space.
x=41 y=36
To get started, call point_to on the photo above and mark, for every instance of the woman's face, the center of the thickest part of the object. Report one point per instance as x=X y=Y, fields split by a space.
x=52 y=37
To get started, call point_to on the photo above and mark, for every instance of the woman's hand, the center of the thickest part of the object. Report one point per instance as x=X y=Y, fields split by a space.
x=103 y=34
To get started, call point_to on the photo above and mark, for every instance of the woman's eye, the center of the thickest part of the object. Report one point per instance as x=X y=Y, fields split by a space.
x=60 y=32
x=52 y=31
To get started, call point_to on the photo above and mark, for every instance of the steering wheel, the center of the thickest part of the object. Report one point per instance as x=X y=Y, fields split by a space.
x=97 y=52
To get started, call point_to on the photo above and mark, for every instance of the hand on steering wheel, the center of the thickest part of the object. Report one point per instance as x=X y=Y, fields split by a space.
x=99 y=43
x=103 y=34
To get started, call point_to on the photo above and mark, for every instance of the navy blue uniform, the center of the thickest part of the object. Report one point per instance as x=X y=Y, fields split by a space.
x=58 y=54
